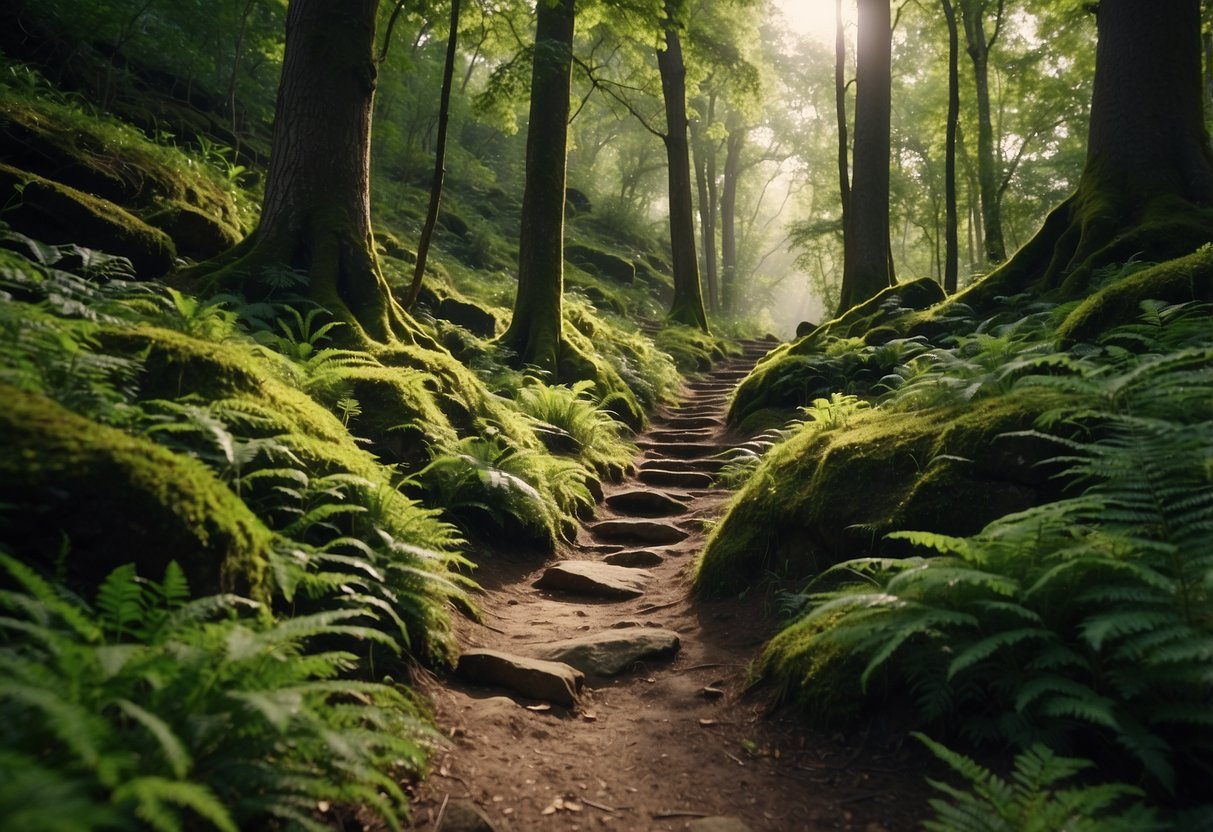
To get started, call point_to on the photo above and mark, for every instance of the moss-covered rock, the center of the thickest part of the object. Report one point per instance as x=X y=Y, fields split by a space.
x=1174 y=281
x=195 y=233
x=106 y=498
x=601 y=263
x=55 y=213
x=826 y=496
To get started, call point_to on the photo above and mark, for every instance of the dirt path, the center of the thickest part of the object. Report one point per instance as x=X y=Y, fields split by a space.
x=669 y=740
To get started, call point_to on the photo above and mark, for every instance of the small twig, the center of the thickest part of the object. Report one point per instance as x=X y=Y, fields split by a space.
x=601 y=806
x=735 y=759
x=668 y=815
x=441 y=813
x=705 y=667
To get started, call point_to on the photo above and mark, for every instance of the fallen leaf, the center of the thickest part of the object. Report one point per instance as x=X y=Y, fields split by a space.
x=707 y=723
x=542 y=706
x=709 y=692
x=572 y=806
x=588 y=717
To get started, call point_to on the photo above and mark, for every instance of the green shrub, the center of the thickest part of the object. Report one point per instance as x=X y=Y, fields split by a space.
x=575 y=425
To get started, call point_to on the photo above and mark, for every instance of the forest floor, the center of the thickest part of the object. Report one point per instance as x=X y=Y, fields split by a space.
x=668 y=741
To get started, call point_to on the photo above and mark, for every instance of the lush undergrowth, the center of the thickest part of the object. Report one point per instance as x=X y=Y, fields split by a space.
x=1078 y=621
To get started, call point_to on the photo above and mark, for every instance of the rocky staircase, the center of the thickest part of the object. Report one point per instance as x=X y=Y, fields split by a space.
x=646 y=520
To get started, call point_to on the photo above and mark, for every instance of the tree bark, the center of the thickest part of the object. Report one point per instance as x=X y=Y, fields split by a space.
x=536 y=327
x=951 y=270
x=728 y=217
x=840 y=106
x=687 y=307
x=315 y=219
x=707 y=213
x=973 y=12
x=444 y=117
x=866 y=236
x=1147 y=186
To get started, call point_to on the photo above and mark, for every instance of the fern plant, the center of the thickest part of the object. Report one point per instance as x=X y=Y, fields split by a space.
x=574 y=424
x=151 y=709
x=1088 y=620
x=530 y=495
x=1032 y=800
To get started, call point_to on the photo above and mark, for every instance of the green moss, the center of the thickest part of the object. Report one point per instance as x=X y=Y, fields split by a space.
x=827 y=360
x=1175 y=281
x=111 y=498
x=826 y=496
x=53 y=212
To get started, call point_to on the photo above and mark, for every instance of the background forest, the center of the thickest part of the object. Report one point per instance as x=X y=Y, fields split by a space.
x=233 y=526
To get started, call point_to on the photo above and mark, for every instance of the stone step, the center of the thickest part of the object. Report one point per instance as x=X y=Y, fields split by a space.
x=691 y=422
x=644 y=502
x=612 y=652
x=708 y=466
x=684 y=450
x=635 y=559
x=638 y=531
x=601 y=580
x=534 y=678
x=697 y=410
x=679 y=435
x=676 y=479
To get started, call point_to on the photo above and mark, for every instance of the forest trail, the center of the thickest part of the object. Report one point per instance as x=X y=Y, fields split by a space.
x=671 y=740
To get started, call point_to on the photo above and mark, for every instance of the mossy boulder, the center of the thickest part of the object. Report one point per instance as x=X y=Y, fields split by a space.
x=115 y=163
x=1174 y=281
x=107 y=498
x=55 y=213
x=195 y=233
x=600 y=263
x=827 y=496
x=472 y=317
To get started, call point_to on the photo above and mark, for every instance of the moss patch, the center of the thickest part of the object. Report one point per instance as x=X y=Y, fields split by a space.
x=113 y=498
x=824 y=497
x=1175 y=281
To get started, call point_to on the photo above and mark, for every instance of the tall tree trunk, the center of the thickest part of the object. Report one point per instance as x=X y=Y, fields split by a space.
x=316 y=218
x=951 y=274
x=444 y=117
x=700 y=148
x=840 y=107
x=1147 y=186
x=535 y=330
x=687 y=307
x=728 y=216
x=973 y=12
x=866 y=236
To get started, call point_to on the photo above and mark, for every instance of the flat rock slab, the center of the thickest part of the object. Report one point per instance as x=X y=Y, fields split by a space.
x=646 y=503
x=601 y=580
x=613 y=651
x=638 y=531
x=533 y=678
x=675 y=479
x=635 y=559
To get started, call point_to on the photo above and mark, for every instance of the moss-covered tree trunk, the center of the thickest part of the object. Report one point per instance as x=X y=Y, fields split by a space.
x=840 y=109
x=316 y=217
x=687 y=307
x=1147 y=187
x=865 y=269
x=701 y=148
x=536 y=327
x=951 y=269
x=973 y=13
